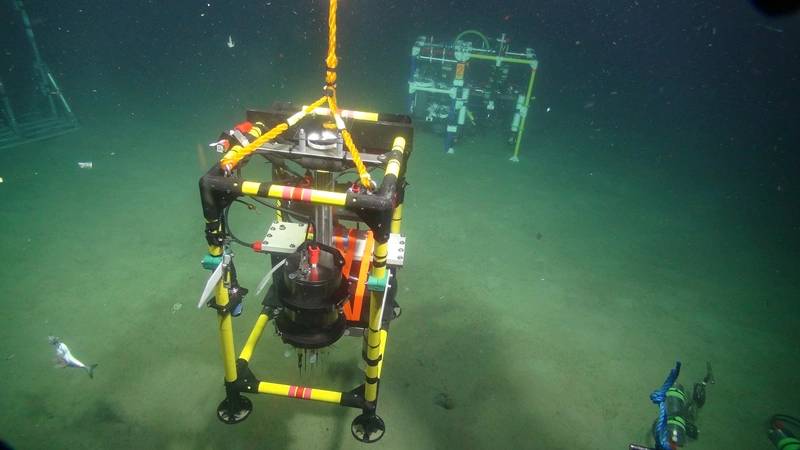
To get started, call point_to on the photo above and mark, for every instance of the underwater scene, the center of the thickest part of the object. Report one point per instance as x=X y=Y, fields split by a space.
x=352 y=224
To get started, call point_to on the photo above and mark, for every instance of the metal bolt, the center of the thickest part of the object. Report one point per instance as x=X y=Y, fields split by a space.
x=266 y=242
x=269 y=234
x=291 y=246
x=282 y=227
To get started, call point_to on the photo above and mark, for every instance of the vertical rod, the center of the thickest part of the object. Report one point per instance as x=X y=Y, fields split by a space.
x=226 y=331
x=524 y=119
x=12 y=120
x=276 y=176
x=397 y=218
x=374 y=331
x=323 y=214
x=37 y=57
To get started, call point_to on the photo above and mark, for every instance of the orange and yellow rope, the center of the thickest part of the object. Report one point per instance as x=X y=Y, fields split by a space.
x=236 y=154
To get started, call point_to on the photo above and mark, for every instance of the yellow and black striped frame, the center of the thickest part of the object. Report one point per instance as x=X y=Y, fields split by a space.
x=384 y=206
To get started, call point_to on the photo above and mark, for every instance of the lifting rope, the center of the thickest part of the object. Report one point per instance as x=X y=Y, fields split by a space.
x=330 y=90
x=232 y=158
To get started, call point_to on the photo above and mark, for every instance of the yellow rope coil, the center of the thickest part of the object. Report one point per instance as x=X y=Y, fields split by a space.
x=236 y=155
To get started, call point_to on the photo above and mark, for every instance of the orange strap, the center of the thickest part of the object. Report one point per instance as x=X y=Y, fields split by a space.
x=352 y=309
x=339 y=241
x=352 y=240
x=350 y=252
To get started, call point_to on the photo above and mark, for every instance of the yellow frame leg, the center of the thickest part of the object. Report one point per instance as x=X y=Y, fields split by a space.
x=521 y=130
x=255 y=336
x=374 y=348
x=397 y=218
x=226 y=334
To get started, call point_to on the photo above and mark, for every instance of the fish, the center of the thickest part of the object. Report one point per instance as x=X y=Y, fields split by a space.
x=64 y=357
x=231 y=44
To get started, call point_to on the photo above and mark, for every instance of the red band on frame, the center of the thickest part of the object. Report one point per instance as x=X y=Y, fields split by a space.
x=300 y=392
x=296 y=194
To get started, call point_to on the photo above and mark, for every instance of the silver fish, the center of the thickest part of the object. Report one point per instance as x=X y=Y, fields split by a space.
x=64 y=357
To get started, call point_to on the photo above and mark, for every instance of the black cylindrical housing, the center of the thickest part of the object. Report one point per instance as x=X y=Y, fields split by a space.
x=312 y=298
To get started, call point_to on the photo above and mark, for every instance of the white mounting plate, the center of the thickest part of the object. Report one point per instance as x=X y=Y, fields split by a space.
x=285 y=237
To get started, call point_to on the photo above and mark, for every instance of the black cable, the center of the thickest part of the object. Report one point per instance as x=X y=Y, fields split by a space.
x=304 y=218
x=345 y=172
x=228 y=231
x=785 y=418
x=235 y=239
x=282 y=167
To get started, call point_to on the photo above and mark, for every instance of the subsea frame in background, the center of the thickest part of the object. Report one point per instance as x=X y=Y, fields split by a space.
x=334 y=278
x=455 y=84
x=43 y=114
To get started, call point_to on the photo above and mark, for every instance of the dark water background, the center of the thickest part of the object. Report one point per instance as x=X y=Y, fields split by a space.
x=662 y=69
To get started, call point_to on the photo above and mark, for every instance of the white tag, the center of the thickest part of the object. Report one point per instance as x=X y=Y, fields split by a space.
x=210 y=284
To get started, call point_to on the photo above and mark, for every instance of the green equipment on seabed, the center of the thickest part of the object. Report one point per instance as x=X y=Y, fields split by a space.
x=678 y=409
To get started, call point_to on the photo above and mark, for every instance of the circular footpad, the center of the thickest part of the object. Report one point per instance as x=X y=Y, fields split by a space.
x=368 y=428
x=232 y=412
